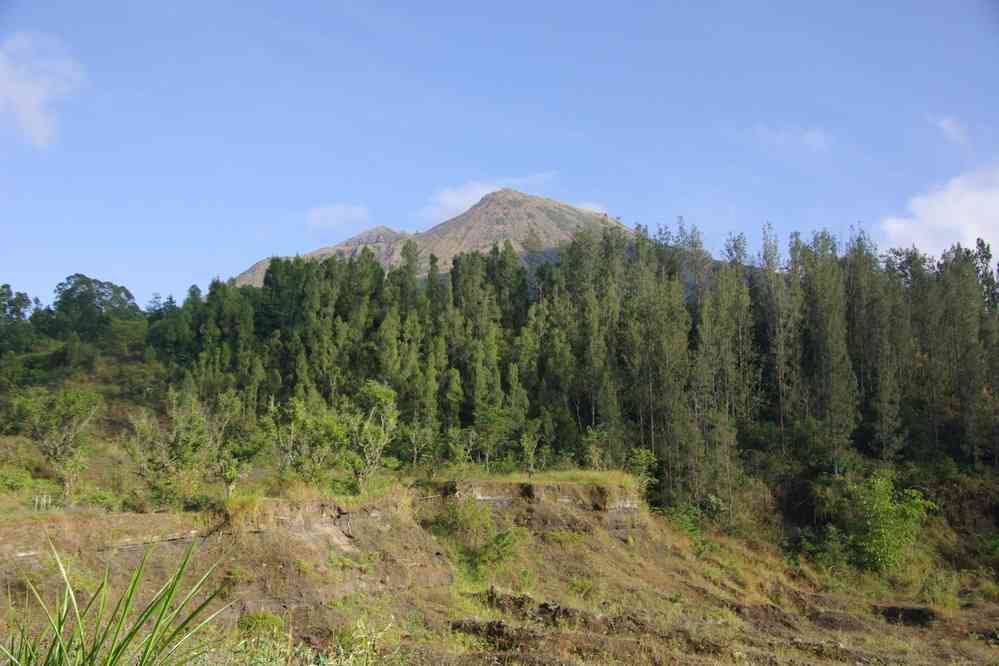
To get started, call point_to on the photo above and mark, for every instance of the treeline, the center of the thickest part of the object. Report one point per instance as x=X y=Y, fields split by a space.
x=809 y=359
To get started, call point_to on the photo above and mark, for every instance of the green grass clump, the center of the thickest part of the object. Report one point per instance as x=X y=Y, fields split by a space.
x=610 y=477
x=478 y=544
x=260 y=624
x=96 y=633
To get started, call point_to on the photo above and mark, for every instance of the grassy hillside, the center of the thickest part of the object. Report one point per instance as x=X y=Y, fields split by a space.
x=495 y=571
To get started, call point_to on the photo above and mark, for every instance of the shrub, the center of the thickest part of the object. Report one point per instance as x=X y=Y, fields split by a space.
x=100 y=498
x=468 y=521
x=872 y=521
x=689 y=518
x=261 y=624
x=359 y=646
x=480 y=544
x=13 y=479
x=829 y=548
x=888 y=521
x=641 y=464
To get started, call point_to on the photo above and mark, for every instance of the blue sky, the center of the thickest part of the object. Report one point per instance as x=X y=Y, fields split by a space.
x=159 y=145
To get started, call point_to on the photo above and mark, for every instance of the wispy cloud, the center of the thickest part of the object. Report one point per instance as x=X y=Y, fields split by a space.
x=810 y=139
x=35 y=72
x=451 y=201
x=593 y=206
x=962 y=210
x=953 y=129
x=339 y=216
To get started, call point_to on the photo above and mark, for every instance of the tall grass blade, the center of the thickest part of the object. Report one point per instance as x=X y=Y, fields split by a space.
x=98 y=634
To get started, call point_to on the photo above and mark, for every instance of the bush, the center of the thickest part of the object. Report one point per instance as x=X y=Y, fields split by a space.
x=642 y=464
x=99 y=498
x=467 y=519
x=480 y=543
x=829 y=548
x=689 y=518
x=872 y=521
x=359 y=646
x=261 y=624
x=889 y=521
x=14 y=480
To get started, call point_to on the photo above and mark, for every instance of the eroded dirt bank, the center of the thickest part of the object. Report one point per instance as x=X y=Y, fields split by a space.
x=587 y=576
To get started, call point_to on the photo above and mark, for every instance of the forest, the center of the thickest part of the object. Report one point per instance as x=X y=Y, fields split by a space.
x=822 y=392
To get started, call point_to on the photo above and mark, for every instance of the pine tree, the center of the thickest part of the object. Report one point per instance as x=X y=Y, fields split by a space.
x=832 y=386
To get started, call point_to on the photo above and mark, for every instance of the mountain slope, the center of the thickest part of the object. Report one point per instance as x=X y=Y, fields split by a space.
x=504 y=215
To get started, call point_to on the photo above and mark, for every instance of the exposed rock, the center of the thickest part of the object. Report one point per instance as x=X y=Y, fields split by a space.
x=913 y=616
x=529 y=223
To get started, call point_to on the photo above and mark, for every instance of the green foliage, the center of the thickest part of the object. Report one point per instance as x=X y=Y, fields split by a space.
x=16 y=333
x=166 y=451
x=372 y=428
x=261 y=624
x=633 y=351
x=529 y=441
x=874 y=524
x=481 y=546
x=99 y=633
x=86 y=307
x=14 y=479
x=829 y=548
x=310 y=438
x=690 y=519
x=59 y=423
x=888 y=522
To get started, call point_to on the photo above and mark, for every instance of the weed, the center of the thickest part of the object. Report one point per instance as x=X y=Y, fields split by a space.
x=99 y=634
x=583 y=587
x=261 y=624
x=339 y=561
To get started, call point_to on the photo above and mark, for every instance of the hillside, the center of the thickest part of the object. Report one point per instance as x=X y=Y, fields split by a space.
x=526 y=221
x=637 y=455
x=548 y=572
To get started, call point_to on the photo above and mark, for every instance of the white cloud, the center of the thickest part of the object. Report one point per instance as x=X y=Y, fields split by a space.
x=451 y=201
x=339 y=215
x=592 y=206
x=962 y=210
x=953 y=129
x=811 y=139
x=35 y=72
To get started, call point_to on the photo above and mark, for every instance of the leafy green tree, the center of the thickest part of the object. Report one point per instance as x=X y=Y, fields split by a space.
x=530 y=438
x=166 y=451
x=310 y=437
x=642 y=465
x=86 y=306
x=832 y=385
x=781 y=311
x=373 y=428
x=229 y=443
x=59 y=422
x=881 y=522
x=419 y=440
x=454 y=397
x=16 y=332
x=961 y=336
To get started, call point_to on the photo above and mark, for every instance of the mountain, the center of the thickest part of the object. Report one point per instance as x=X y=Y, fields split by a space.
x=505 y=215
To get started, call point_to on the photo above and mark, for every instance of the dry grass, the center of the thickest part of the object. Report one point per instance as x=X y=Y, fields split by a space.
x=676 y=601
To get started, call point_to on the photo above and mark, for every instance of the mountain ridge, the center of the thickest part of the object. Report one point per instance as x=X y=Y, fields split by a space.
x=504 y=215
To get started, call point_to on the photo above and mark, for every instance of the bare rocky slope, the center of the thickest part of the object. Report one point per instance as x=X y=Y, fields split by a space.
x=528 y=222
